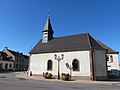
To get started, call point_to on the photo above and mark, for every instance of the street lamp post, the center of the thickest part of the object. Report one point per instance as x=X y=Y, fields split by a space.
x=58 y=58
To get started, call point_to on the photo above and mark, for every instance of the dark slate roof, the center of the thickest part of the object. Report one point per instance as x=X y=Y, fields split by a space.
x=110 y=50
x=67 y=43
x=25 y=56
x=5 y=57
x=48 y=26
x=18 y=54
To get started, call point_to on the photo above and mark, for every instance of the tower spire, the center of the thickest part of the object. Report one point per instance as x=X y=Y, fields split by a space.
x=48 y=13
x=47 y=31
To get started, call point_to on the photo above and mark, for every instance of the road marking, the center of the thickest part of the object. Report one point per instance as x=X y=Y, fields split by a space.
x=109 y=84
x=118 y=84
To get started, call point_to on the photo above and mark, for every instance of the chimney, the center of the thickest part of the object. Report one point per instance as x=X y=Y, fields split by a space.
x=5 y=47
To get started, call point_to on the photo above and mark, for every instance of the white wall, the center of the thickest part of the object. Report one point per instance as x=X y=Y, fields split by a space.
x=115 y=63
x=38 y=63
x=100 y=62
x=119 y=66
x=3 y=62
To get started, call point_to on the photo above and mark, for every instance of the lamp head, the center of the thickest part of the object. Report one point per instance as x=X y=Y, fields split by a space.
x=55 y=56
x=62 y=56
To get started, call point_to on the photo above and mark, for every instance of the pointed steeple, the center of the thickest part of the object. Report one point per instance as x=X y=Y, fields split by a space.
x=47 y=31
x=48 y=26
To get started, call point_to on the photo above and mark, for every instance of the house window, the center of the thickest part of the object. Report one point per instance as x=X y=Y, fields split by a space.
x=16 y=65
x=107 y=57
x=17 y=60
x=6 y=66
x=49 y=65
x=75 y=64
x=10 y=66
x=20 y=60
x=1 y=57
x=11 y=58
x=111 y=58
x=0 y=65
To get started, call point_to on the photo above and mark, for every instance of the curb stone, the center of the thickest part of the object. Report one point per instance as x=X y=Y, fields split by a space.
x=77 y=81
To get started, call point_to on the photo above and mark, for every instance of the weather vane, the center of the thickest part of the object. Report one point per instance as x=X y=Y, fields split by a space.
x=48 y=13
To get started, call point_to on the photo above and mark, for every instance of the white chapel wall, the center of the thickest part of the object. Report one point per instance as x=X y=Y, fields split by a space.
x=38 y=63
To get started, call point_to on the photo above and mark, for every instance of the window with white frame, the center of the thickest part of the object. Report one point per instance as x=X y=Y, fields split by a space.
x=111 y=58
x=75 y=65
x=49 y=65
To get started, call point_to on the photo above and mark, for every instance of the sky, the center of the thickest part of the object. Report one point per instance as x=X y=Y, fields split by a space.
x=22 y=21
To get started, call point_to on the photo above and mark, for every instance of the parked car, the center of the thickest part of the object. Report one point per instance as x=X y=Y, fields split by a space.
x=113 y=74
x=1 y=69
x=116 y=72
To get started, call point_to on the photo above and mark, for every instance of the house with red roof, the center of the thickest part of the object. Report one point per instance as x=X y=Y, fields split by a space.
x=21 y=61
x=6 y=62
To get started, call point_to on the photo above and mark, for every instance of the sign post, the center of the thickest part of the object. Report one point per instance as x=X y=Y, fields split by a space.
x=70 y=68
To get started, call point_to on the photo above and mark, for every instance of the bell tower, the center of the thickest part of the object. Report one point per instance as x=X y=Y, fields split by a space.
x=47 y=31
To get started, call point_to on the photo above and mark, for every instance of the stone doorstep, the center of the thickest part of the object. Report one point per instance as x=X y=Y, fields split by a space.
x=76 y=81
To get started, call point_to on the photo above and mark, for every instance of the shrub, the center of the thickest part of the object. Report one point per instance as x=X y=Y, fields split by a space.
x=47 y=75
x=65 y=77
x=62 y=75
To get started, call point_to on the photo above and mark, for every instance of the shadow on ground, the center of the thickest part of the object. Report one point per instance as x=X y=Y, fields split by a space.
x=114 y=79
x=3 y=77
x=22 y=79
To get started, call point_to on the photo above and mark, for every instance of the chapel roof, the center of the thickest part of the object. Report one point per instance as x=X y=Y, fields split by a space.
x=77 y=42
x=110 y=50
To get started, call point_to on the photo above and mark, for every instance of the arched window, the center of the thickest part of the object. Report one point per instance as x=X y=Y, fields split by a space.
x=75 y=65
x=111 y=58
x=49 y=65
x=107 y=57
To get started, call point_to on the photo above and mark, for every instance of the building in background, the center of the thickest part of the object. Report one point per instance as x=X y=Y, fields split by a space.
x=6 y=62
x=21 y=61
x=119 y=66
x=112 y=57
